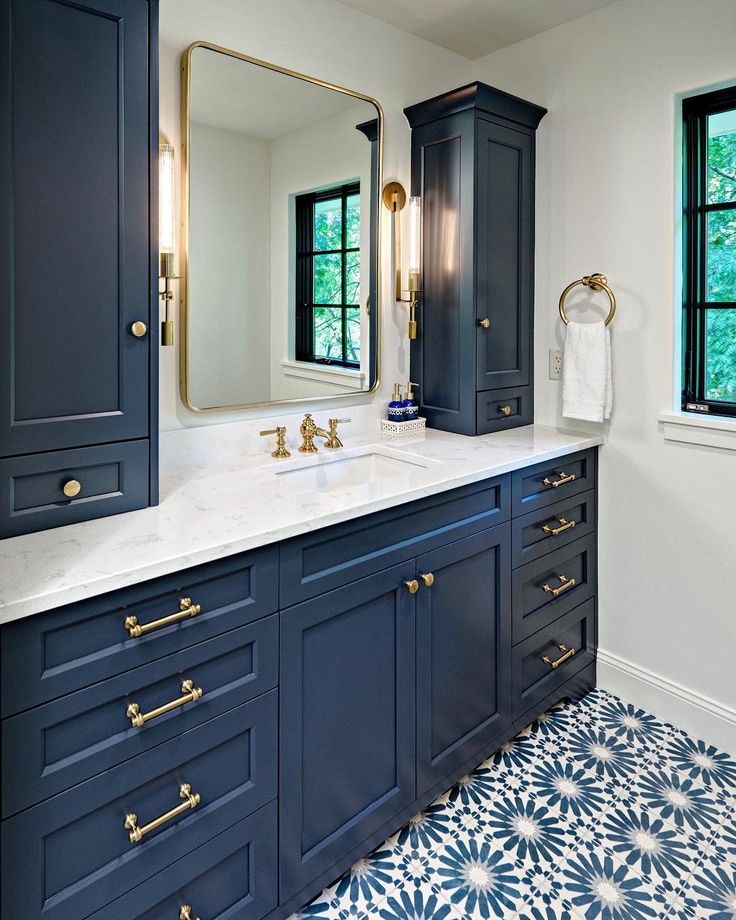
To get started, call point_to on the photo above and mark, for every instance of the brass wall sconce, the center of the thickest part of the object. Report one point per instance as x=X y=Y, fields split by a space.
x=167 y=234
x=394 y=198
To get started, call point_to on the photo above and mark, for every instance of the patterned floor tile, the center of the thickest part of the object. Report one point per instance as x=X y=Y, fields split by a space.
x=595 y=810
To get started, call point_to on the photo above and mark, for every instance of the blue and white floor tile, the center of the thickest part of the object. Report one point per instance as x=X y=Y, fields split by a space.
x=596 y=810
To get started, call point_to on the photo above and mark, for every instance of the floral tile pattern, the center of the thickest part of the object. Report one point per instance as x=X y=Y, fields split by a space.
x=595 y=810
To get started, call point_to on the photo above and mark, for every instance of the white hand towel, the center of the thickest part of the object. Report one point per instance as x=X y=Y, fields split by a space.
x=587 y=389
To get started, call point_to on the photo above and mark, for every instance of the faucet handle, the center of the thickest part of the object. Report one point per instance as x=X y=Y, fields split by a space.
x=280 y=432
x=334 y=422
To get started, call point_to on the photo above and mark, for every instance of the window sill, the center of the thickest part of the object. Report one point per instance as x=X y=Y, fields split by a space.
x=709 y=430
x=337 y=376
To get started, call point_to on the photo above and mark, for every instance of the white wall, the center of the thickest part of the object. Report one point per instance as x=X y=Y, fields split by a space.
x=606 y=180
x=331 y=41
x=229 y=295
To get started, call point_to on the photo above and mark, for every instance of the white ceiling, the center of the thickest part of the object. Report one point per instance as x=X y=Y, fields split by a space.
x=476 y=27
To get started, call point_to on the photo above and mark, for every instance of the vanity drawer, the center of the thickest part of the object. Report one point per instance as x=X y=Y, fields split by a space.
x=546 y=483
x=47 y=656
x=499 y=409
x=551 y=527
x=61 y=743
x=232 y=876
x=534 y=677
x=543 y=590
x=71 y=855
x=111 y=477
x=326 y=559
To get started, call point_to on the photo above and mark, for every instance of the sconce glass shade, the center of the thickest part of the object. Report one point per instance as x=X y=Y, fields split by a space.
x=415 y=242
x=167 y=201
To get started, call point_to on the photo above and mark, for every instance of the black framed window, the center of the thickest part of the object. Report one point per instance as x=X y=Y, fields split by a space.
x=328 y=276
x=709 y=253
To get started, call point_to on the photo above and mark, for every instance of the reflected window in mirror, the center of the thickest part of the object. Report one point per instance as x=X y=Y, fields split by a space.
x=327 y=276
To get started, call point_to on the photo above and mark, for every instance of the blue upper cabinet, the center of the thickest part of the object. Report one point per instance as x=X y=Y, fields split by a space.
x=473 y=166
x=78 y=135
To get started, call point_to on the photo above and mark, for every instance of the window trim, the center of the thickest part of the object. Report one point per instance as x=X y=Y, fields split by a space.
x=304 y=287
x=695 y=210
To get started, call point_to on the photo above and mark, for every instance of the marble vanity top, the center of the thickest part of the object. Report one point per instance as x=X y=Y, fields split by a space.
x=239 y=503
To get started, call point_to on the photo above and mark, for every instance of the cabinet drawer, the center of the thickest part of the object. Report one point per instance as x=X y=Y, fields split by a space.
x=66 y=741
x=546 y=483
x=550 y=586
x=55 y=653
x=71 y=855
x=233 y=877
x=499 y=409
x=551 y=527
x=327 y=559
x=533 y=676
x=111 y=478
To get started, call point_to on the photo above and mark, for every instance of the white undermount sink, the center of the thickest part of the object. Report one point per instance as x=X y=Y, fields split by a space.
x=372 y=466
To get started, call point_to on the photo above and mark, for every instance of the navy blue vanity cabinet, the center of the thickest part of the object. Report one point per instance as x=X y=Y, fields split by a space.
x=78 y=197
x=473 y=167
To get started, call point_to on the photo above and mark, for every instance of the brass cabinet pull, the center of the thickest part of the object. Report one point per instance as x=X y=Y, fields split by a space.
x=139 y=329
x=567 y=583
x=505 y=410
x=556 y=531
x=139 y=719
x=428 y=579
x=136 y=833
x=564 y=477
x=186 y=913
x=569 y=652
x=485 y=323
x=72 y=488
x=412 y=585
x=186 y=609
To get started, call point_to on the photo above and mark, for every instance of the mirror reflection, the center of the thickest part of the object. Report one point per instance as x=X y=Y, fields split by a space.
x=281 y=256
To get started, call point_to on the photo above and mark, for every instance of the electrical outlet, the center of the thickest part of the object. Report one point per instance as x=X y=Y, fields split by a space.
x=555 y=364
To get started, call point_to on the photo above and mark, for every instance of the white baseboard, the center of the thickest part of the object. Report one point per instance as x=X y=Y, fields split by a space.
x=694 y=713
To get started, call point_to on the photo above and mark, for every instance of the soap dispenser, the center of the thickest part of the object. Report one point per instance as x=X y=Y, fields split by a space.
x=396 y=406
x=411 y=410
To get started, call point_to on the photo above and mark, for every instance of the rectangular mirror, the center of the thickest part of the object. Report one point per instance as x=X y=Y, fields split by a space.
x=281 y=184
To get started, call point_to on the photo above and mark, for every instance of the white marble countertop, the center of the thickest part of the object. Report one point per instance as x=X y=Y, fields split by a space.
x=208 y=512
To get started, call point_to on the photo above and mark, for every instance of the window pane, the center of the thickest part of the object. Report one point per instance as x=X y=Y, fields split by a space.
x=722 y=157
x=721 y=265
x=720 y=382
x=352 y=322
x=352 y=277
x=328 y=333
x=328 y=279
x=328 y=224
x=352 y=222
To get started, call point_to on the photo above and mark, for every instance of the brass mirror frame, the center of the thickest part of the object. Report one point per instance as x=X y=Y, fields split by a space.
x=375 y=311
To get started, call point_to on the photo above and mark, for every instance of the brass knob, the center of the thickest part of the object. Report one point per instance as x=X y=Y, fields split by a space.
x=428 y=579
x=485 y=323
x=412 y=585
x=506 y=410
x=186 y=913
x=139 y=329
x=72 y=488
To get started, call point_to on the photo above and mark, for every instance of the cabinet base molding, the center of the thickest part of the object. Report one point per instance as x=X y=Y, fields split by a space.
x=575 y=689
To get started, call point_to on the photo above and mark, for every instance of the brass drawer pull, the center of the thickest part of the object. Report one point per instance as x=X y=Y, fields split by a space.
x=186 y=609
x=568 y=653
x=412 y=585
x=136 y=834
x=139 y=719
x=556 y=531
x=564 y=477
x=567 y=583
x=72 y=488
x=485 y=323
x=428 y=579
x=505 y=410
x=186 y=913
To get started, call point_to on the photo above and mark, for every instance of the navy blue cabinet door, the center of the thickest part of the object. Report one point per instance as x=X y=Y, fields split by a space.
x=74 y=223
x=347 y=720
x=463 y=652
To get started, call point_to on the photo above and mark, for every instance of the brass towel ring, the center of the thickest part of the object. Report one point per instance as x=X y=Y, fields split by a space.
x=596 y=282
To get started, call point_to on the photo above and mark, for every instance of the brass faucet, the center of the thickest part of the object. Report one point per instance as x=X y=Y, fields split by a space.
x=309 y=431
x=280 y=433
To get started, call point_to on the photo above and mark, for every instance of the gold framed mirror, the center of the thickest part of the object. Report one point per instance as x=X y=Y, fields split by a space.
x=280 y=268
